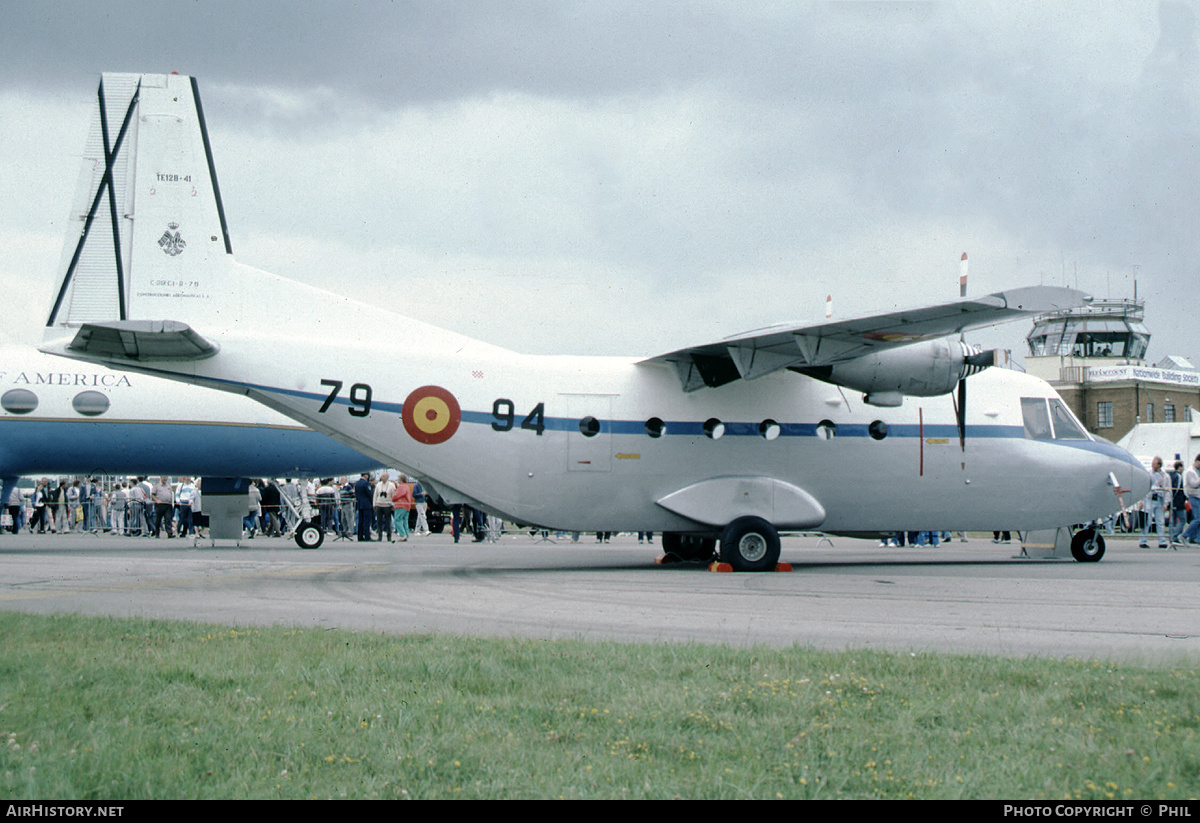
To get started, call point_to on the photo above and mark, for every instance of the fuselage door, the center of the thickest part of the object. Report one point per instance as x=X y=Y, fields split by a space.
x=589 y=431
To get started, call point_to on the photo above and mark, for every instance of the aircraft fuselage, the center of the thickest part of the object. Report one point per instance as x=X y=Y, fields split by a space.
x=594 y=443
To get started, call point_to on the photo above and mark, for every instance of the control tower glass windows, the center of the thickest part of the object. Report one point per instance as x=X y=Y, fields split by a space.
x=1105 y=328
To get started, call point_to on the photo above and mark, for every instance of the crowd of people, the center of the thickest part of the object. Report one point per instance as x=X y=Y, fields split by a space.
x=395 y=509
x=1173 y=505
x=381 y=507
x=378 y=509
x=139 y=506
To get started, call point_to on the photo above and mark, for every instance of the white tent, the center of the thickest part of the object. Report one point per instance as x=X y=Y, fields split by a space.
x=1170 y=441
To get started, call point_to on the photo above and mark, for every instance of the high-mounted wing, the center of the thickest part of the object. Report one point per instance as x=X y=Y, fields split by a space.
x=815 y=349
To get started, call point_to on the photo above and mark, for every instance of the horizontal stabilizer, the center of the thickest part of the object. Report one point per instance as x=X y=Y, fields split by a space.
x=141 y=340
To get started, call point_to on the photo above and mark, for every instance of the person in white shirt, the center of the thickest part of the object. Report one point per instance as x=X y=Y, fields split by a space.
x=382 y=503
x=183 y=499
x=1155 y=505
x=116 y=511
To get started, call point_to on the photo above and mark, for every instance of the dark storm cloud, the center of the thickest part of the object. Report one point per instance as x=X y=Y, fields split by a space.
x=387 y=52
x=397 y=53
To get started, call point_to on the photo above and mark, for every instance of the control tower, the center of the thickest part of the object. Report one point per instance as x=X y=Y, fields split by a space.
x=1102 y=333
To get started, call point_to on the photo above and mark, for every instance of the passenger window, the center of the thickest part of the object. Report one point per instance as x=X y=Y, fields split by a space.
x=19 y=401
x=90 y=403
x=714 y=429
x=1037 y=419
x=1066 y=427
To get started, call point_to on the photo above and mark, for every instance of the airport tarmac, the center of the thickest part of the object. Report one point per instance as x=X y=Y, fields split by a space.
x=1136 y=605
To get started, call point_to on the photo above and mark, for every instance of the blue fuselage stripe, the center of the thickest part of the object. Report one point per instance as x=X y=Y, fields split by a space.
x=687 y=428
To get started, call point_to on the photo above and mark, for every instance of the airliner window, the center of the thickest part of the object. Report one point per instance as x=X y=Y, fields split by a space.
x=1066 y=427
x=19 y=401
x=1037 y=419
x=589 y=426
x=713 y=428
x=655 y=427
x=827 y=430
x=878 y=429
x=90 y=403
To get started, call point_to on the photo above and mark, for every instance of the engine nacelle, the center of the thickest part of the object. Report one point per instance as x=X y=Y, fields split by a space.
x=924 y=369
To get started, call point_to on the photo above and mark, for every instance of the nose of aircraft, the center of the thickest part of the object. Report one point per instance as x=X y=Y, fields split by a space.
x=1132 y=475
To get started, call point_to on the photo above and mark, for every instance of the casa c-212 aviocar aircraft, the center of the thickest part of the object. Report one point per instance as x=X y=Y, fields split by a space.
x=846 y=427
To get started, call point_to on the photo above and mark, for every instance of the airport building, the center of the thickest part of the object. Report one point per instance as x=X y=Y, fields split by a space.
x=1094 y=358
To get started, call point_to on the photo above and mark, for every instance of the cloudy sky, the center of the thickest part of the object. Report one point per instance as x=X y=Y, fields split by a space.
x=628 y=178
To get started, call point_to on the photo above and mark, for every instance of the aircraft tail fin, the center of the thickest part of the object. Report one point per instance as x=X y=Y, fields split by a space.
x=150 y=240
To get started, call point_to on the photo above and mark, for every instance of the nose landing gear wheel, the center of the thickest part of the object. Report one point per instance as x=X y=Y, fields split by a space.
x=750 y=544
x=309 y=535
x=1087 y=546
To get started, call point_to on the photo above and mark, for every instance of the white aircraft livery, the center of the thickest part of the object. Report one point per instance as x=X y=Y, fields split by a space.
x=854 y=426
x=58 y=417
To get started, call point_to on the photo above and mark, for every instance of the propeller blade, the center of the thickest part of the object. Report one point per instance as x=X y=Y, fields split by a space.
x=978 y=361
x=960 y=413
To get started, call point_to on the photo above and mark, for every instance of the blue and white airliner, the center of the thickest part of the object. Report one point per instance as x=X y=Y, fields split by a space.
x=59 y=417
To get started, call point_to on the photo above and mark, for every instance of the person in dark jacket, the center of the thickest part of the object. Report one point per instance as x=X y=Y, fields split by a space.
x=363 y=503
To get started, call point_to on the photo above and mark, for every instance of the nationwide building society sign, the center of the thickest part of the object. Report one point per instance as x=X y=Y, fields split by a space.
x=1114 y=374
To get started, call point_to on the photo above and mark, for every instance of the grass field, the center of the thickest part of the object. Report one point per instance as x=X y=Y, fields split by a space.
x=124 y=709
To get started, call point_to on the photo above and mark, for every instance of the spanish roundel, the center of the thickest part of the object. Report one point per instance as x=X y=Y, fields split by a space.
x=431 y=415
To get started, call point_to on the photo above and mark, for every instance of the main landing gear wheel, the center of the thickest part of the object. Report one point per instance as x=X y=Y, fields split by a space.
x=689 y=547
x=1087 y=546
x=750 y=544
x=309 y=535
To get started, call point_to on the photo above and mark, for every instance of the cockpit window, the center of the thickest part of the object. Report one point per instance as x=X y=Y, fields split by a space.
x=1066 y=427
x=1050 y=419
x=1037 y=419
